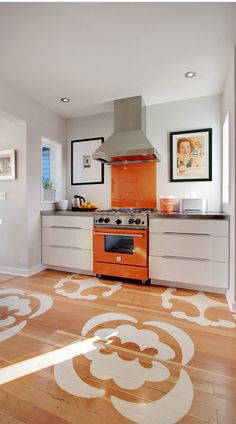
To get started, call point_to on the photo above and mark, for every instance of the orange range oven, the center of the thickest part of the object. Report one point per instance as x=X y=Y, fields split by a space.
x=120 y=245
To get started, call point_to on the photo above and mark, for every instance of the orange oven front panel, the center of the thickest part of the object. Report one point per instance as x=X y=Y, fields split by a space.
x=104 y=243
x=126 y=271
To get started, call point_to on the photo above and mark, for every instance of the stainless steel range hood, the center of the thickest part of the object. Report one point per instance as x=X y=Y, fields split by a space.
x=128 y=143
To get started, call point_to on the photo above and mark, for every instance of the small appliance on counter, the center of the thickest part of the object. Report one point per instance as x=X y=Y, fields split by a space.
x=77 y=202
x=168 y=204
x=194 y=205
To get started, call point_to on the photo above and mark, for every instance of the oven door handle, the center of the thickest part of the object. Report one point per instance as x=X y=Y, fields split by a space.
x=118 y=234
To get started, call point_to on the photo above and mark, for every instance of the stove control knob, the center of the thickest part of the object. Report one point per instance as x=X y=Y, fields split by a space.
x=137 y=221
x=131 y=221
x=119 y=221
x=106 y=220
x=101 y=220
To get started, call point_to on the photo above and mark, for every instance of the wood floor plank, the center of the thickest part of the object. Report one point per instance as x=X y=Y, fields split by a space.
x=5 y=418
x=16 y=410
x=66 y=407
x=225 y=418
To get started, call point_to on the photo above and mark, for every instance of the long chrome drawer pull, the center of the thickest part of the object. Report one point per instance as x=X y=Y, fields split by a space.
x=119 y=234
x=68 y=247
x=184 y=258
x=186 y=234
x=67 y=228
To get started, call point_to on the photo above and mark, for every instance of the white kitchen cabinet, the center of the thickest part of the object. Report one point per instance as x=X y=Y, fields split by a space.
x=192 y=252
x=214 y=227
x=67 y=242
x=85 y=222
x=198 y=246
x=68 y=237
x=65 y=257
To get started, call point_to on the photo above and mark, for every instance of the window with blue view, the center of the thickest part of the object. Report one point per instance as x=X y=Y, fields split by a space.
x=51 y=170
x=46 y=164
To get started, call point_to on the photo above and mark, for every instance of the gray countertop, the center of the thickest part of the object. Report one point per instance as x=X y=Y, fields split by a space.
x=176 y=215
x=189 y=215
x=67 y=213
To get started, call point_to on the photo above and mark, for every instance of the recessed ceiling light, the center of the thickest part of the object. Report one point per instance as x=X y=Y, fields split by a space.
x=190 y=74
x=65 y=100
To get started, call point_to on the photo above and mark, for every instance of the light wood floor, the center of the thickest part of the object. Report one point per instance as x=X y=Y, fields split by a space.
x=89 y=351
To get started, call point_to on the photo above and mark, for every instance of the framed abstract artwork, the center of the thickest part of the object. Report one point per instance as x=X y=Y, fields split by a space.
x=84 y=169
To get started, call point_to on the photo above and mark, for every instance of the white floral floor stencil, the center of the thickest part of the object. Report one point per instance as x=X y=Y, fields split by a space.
x=201 y=302
x=86 y=284
x=19 y=308
x=130 y=374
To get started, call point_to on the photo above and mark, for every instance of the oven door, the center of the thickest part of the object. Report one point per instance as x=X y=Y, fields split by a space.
x=120 y=246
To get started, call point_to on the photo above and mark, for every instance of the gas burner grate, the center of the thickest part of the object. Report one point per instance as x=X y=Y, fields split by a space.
x=127 y=210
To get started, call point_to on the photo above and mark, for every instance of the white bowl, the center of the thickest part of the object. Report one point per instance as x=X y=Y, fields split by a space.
x=62 y=205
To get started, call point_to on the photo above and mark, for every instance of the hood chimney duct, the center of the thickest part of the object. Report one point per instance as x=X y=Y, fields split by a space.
x=128 y=143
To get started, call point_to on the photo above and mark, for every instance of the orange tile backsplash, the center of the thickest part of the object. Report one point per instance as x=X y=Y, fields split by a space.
x=134 y=185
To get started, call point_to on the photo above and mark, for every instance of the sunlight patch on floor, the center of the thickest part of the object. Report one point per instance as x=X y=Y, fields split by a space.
x=55 y=357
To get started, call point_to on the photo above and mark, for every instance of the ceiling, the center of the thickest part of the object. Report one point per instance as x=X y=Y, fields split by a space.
x=95 y=53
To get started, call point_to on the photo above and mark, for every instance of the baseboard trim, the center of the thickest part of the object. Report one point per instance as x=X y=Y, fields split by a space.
x=28 y=272
x=231 y=303
x=72 y=270
x=198 y=287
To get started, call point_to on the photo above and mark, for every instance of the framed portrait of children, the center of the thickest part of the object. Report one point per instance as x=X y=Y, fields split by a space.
x=191 y=155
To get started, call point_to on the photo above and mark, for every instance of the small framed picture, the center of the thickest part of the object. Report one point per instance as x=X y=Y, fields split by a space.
x=191 y=155
x=7 y=165
x=87 y=161
x=84 y=169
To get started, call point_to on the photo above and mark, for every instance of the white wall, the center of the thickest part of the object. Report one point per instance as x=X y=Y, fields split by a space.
x=12 y=235
x=161 y=119
x=229 y=98
x=39 y=122
x=100 y=125
x=204 y=112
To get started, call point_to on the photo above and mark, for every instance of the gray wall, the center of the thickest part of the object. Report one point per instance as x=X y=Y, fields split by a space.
x=100 y=125
x=13 y=231
x=229 y=98
x=39 y=122
x=204 y=112
x=161 y=119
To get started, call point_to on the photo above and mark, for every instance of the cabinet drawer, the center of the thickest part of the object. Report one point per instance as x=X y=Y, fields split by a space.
x=68 y=257
x=196 y=272
x=67 y=236
x=189 y=246
x=85 y=222
x=194 y=226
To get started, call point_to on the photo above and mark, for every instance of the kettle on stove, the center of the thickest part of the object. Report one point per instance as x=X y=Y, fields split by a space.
x=77 y=202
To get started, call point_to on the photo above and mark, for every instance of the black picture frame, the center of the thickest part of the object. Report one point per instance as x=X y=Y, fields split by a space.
x=7 y=164
x=191 y=159
x=86 y=171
